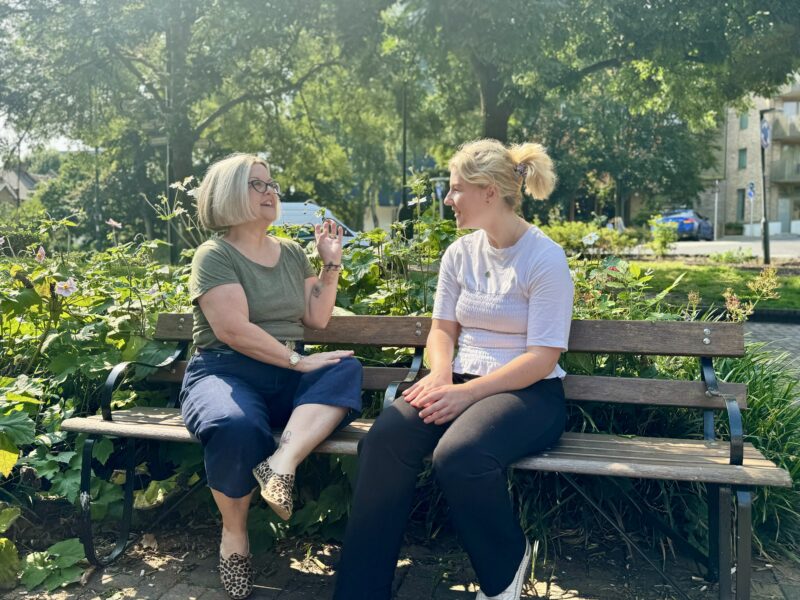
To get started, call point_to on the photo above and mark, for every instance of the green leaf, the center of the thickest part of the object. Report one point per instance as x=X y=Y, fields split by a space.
x=155 y=494
x=62 y=577
x=36 y=569
x=66 y=552
x=9 y=454
x=7 y=517
x=19 y=427
x=67 y=484
x=9 y=564
x=103 y=448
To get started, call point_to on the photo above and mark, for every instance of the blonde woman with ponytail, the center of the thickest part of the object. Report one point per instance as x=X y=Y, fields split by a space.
x=504 y=299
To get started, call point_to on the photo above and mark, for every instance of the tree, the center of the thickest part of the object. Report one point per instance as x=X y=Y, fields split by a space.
x=680 y=56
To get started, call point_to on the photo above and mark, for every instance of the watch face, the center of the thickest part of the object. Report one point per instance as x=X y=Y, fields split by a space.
x=294 y=359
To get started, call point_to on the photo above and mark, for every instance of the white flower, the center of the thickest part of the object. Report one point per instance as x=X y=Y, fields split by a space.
x=66 y=288
x=114 y=224
x=590 y=239
x=40 y=255
x=153 y=290
x=415 y=201
x=2 y=240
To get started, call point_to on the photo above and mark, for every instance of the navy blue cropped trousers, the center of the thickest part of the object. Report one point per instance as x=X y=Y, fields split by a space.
x=232 y=403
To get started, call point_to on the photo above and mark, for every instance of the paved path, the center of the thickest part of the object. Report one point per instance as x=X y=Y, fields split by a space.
x=782 y=247
x=184 y=567
x=780 y=336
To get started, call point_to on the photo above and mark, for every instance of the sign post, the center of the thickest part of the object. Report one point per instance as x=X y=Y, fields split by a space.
x=765 y=139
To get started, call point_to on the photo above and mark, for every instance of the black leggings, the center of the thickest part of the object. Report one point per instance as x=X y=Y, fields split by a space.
x=470 y=458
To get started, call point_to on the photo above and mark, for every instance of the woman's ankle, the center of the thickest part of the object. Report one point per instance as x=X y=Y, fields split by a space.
x=282 y=464
x=234 y=543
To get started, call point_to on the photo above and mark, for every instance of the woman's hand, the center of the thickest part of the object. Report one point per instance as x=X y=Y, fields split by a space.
x=446 y=403
x=417 y=394
x=329 y=242
x=312 y=362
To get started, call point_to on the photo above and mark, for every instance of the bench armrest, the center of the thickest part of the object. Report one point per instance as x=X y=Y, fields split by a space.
x=118 y=373
x=391 y=390
x=735 y=422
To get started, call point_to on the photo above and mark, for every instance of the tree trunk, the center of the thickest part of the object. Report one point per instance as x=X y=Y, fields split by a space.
x=494 y=111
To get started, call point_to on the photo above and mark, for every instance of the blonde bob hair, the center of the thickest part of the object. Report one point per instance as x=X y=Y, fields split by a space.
x=222 y=198
x=488 y=162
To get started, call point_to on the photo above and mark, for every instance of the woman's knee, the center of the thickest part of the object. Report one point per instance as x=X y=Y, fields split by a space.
x=389 y=432
x=457 y=461
x=243 y=430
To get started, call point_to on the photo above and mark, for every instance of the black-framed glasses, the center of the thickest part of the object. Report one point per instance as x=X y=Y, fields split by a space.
x=262 y=186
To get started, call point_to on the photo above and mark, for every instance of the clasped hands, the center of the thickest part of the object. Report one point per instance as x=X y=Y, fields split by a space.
x=438 y=398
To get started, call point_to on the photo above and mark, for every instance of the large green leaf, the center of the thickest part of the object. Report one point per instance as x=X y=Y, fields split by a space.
x=9 y=564
x=19 y=427
x=7 y=517
x=66 y=552
x=35 y=570
x=9 y=454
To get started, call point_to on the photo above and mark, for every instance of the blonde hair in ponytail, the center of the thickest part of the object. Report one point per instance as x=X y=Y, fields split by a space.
x=488 y=162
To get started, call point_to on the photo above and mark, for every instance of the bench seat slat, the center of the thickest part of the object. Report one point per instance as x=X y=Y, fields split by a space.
x=579 y=453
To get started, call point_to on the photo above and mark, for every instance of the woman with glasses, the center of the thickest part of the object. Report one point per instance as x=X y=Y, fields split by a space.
x=252 y=293
x=504 y=298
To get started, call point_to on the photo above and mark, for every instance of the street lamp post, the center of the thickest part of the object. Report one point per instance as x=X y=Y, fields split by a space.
x=765 y=134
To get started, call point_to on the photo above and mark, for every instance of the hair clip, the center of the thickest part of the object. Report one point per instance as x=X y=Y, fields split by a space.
x=521 y=169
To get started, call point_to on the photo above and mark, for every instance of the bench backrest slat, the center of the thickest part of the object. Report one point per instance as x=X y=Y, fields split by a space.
x=578 y=388
x=668 y=338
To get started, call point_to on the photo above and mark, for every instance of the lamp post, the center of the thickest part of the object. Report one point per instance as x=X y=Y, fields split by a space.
x=765 y=135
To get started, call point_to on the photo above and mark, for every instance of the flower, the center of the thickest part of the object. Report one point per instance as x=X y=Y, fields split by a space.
x=613 y=268
x=66 y=288
x=590 y=239
x=2 y=240
x=415 y=201
x=153 y=290
x=40 y=255
x=114 y=224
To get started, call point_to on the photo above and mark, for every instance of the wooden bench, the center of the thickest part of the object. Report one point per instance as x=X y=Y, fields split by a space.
x=729 y=468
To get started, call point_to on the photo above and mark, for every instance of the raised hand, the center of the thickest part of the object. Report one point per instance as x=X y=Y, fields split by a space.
x=329 y=242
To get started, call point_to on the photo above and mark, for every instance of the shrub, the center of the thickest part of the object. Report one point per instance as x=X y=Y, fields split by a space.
x=577 y=237
x=664 y=235
x=733 y=257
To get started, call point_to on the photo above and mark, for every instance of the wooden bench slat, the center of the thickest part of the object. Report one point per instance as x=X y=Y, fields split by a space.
x=593 y=388
x=579 y=453
x=634 y=337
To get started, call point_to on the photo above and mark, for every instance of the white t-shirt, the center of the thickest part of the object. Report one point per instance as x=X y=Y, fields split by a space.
x=505 y=299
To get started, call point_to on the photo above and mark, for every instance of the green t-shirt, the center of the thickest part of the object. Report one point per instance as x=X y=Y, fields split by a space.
x=275 y=295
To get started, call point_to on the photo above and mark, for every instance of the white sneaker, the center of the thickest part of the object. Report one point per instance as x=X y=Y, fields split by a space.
x=513 y=591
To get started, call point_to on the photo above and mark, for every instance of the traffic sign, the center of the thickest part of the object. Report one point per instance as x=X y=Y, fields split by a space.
x=764 y=133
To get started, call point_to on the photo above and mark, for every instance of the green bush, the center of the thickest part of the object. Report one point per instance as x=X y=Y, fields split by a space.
x=664 y=235
x=577 y=237
x=733 y=257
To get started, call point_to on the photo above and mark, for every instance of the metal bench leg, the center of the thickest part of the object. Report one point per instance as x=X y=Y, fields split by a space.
x=85 y=525
x=720 y=541
x=744 y=541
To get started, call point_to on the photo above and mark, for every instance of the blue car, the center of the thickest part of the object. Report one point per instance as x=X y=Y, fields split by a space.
x=691 y=224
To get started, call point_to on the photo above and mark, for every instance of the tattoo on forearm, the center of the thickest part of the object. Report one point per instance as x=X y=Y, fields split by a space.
x=316 y=290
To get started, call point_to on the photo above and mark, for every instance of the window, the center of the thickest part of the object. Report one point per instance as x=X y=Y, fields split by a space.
x=742 y=158
x=740 y=205
x=791 y=109
x=743 y=121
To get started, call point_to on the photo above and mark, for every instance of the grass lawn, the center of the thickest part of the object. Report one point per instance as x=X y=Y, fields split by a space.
x=711 y=281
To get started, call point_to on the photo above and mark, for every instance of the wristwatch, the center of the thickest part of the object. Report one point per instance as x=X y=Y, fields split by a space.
x=294 y=358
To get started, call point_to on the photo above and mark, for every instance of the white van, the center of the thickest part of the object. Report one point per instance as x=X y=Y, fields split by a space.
x=309 y=214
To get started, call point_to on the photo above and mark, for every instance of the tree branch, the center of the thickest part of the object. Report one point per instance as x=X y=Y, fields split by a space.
x=128 y=63
x=293 y=86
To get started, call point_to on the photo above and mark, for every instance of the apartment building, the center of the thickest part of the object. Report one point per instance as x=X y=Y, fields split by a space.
x=735 y=189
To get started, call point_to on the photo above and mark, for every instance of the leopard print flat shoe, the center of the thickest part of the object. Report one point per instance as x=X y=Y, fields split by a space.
x=236 y=574
x=276 y=489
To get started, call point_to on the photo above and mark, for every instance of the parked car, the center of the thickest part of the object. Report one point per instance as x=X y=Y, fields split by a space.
x=308 y=214
x=691 y=224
